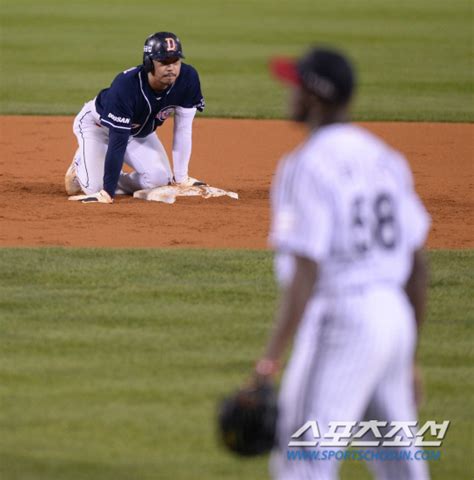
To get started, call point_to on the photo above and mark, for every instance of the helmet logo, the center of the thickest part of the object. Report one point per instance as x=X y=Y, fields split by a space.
x=170 y=44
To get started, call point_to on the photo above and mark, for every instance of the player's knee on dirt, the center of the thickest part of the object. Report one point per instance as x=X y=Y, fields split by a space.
x=156 y=177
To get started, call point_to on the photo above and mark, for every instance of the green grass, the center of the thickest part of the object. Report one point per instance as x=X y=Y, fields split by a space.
x=415 y=57
x=112 y=360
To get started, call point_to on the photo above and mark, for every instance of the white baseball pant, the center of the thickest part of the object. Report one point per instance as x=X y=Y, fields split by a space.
x=352 y=359
x=146 y=156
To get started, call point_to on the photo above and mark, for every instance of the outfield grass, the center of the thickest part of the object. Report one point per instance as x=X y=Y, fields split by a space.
x=112 y=360
x=414 y=56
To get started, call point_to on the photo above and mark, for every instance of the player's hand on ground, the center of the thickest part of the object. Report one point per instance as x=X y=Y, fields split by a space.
x=189 y=182
x=99 y=197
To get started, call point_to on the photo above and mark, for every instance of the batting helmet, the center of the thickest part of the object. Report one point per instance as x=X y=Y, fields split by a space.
x=160 y=46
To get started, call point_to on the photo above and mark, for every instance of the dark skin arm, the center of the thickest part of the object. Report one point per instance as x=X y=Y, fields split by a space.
x=288 y=316
x=416 y=290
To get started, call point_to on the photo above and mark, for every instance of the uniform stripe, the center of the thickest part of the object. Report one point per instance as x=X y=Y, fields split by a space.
x=309 y=470
x=294 y=181
x=283 y=184
x=84 y=148
x=304 y=470
x=148 y=103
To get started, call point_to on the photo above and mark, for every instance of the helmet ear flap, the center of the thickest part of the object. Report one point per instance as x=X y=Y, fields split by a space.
x=148 y=64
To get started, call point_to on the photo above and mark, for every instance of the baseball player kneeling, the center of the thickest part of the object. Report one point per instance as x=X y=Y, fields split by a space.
x=118 y=126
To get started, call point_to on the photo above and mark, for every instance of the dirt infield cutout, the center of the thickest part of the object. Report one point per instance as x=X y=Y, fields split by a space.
x=238 y=155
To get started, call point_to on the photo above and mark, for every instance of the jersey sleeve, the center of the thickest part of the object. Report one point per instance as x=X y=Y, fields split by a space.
x=417 y=220
x=193 y=97
x=301 y=212
x=114 y=159
x=182 y=141
x=118 y=108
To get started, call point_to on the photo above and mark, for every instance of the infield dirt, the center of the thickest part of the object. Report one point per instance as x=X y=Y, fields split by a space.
x=238 y=155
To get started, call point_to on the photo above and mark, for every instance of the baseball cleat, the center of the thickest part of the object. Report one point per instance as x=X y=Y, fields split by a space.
x=191 y=182
x=71 y=183
x=197 y=183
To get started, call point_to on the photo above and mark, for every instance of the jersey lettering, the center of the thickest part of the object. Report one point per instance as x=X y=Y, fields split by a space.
x=118 y=119
x=361 y=233
x=386 y=231
x=375 y=226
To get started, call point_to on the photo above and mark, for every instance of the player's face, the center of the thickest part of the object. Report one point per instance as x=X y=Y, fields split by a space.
x=299 y=105
x=167 y=71
x=307 y=108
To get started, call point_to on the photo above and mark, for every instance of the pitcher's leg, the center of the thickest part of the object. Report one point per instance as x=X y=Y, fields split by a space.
x=394 y=400
x=343 y=365
x=352 y=349
x=382 y=409
x=149 y=160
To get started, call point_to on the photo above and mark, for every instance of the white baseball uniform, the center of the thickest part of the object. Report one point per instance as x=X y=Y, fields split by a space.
x=346 y=200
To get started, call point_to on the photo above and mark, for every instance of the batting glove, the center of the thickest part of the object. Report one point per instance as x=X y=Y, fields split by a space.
x=99 y=197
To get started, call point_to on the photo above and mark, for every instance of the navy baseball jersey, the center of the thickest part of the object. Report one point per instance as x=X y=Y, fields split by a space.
x=131 y=107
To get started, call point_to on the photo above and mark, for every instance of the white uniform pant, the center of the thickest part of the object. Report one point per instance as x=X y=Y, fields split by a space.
x=352 y=360
x=146 y=156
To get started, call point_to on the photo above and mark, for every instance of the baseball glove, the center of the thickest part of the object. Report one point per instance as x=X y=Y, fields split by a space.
x=247 y=420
